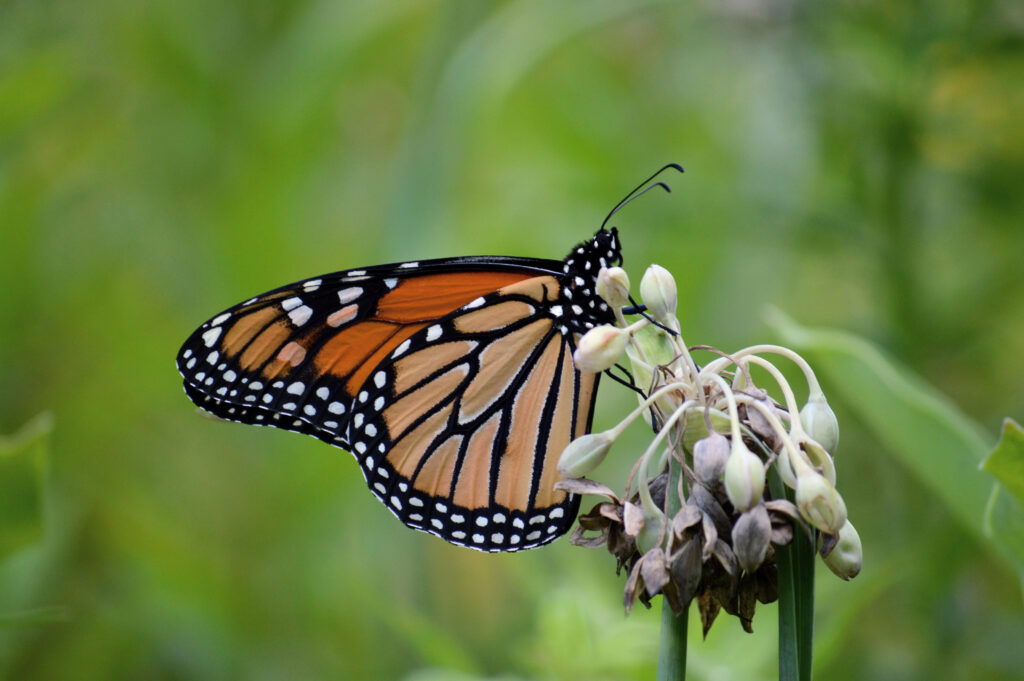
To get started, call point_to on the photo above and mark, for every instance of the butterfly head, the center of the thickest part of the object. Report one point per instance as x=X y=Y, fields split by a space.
x=579 y=271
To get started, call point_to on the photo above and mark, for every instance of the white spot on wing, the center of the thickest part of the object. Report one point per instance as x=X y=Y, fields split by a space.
x=347 y=295
x=220 y=319
x=301 y=315
x=403 y=346
x=291 y=303
x=409 y=265
x=210 y=337
x=297 y=388
x=434 y=332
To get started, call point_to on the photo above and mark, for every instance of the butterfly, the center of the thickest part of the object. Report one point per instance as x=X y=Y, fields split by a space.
x=451 y=381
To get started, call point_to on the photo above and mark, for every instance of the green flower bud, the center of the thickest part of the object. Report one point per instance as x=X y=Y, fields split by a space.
x=744 y=477
x=613 y=286
x=785 y=468
x=820 y=422
x=819 y=502
x=600 y=348
x=656 y=344
x=846 y=557
x=820 y=459
x=649 y=534
x=584 y=454
x=658 y=290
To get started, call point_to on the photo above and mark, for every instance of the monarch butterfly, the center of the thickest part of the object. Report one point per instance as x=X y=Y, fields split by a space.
x=450 y=380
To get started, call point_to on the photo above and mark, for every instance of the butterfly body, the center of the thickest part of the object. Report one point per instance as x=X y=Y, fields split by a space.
x=451 y=381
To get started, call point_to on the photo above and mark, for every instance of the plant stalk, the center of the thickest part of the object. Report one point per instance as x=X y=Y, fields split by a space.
x=672 y=648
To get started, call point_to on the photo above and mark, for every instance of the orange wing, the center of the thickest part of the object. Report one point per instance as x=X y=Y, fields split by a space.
x=295 y=357
x=450 y=380
x=459 y=430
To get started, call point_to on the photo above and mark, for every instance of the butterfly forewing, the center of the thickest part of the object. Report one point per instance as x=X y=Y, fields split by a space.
x=294 y=357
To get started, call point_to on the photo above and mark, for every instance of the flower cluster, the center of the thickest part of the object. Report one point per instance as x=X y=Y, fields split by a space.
x=698 y=520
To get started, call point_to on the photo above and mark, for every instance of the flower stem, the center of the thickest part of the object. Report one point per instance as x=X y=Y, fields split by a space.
x=672 y=649
x=672 y=653
x=796 y=599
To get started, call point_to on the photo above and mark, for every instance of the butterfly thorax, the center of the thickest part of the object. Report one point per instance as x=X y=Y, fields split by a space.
x=579 y=306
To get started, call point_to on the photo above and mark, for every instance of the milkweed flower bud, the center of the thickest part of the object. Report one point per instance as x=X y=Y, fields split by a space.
x=613 y=286
x=600 y=348
x=744 y=477
x=846 y=557
x=819 y=502
x=820 y=422
x=658 y=290
x=584 y=454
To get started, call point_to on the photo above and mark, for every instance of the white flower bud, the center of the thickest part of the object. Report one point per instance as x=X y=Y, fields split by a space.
x=820 y=422
x=744 y=477
x=819 y=502
x=846 y=557
x=658 y=290
x=600 y=348
x=584 y=454
x=613 y=286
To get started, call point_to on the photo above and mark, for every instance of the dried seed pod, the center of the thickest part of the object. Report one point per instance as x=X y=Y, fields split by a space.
x=709 y=457
x=751 y=536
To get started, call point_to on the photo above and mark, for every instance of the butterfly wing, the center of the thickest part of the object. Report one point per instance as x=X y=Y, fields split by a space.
x=367 y=360
x=459 y=429
x=450 y=380
x=294 y=357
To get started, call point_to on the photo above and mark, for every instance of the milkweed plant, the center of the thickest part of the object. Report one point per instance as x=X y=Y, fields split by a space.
x=734 y=495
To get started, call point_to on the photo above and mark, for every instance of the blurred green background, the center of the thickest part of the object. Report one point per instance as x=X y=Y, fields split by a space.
x=857 y=164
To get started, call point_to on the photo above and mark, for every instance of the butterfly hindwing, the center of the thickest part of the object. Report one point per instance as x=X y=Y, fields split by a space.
x=458 y=432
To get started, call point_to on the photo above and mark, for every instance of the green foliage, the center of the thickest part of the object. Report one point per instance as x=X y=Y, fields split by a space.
x=855 y=164
x=1006 y=461
x=23 y=458
x=1004 y=517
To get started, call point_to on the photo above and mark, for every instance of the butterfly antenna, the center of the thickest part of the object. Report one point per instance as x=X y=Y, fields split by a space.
x=628 y=381
x=640 y=309
x=643 y=186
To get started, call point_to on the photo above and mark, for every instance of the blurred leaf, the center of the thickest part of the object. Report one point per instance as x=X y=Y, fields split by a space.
x=1006 y=462
x=1004 y=518
x=451 y=675
x=1004 y=524
x=921 y=428
x=22 y=460
x=30 y=618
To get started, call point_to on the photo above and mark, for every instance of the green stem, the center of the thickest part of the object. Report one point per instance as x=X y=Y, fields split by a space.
x=796 y=599
x=672 y=653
